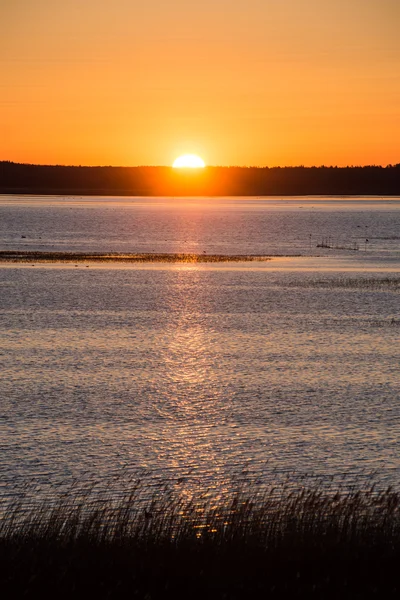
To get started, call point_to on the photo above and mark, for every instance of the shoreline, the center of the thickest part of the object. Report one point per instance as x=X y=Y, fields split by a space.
x=13 y=259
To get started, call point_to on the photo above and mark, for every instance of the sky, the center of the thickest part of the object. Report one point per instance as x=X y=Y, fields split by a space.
x=248 y=83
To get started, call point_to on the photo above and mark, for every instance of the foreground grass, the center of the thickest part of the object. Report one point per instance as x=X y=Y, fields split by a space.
x=253 y=544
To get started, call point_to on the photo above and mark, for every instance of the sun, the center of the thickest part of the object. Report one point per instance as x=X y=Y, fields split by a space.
x=191 y=161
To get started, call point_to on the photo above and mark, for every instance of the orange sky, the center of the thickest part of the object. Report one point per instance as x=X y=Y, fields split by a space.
x=254 y=82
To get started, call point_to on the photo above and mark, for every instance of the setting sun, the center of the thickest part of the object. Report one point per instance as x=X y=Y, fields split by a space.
x=191 y=161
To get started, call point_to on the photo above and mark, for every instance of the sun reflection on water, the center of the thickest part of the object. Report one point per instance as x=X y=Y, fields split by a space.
x=195 y=408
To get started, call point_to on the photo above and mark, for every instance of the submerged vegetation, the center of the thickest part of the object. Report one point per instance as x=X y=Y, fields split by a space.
x=29 y=256
x=369 y=283
x=331 y=244
x=245 y=544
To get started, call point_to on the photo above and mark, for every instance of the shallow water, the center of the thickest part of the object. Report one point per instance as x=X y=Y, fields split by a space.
x=197 y=225
x=202 y=371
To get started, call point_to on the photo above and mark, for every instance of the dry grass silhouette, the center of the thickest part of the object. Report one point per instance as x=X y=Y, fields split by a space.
x=277 y=543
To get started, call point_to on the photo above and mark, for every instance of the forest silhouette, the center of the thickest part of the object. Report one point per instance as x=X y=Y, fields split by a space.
x=18 y=178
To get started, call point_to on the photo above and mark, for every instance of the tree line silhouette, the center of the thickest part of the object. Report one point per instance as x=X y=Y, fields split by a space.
x=16 y=178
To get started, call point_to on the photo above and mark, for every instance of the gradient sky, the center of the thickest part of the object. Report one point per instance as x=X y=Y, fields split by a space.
x=254 y=82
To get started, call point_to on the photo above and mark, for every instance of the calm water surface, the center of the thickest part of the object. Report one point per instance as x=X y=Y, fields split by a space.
x=201 y=371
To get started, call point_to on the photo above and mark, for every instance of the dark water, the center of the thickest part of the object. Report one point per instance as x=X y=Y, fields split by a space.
x=202 y=371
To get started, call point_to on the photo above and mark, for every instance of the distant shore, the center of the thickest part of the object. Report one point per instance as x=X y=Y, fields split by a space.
x=211 y=181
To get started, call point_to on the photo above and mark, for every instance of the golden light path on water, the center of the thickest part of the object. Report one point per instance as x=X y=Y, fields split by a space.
x=191 y=356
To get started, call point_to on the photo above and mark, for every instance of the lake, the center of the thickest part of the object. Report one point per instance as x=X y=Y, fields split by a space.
x=200 y=373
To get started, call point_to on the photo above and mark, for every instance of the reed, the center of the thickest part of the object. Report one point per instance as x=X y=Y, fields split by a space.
x=244 y=544
x=127 y=257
